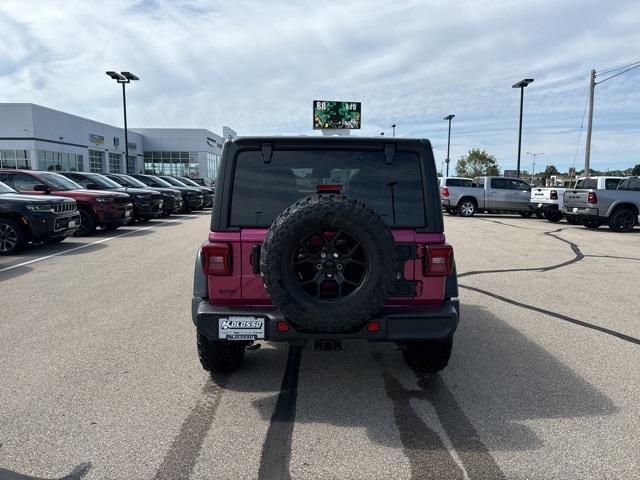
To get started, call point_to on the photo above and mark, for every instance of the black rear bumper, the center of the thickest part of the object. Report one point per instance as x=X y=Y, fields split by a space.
x=544 y=207
x=396 y=324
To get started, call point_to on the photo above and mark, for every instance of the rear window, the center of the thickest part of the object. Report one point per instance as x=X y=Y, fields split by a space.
x=611 y=183
x=587 y=183
x=459 y=182
x=261 y=191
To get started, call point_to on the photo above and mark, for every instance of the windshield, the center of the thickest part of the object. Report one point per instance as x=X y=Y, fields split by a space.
x=189 y=182
x=261 y=191
x=6 y=189
x=173 y=181
x=161 y=182
x=103 y=181
x=59 y=182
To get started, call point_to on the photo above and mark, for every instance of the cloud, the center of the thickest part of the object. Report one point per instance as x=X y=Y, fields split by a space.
x=256 y=66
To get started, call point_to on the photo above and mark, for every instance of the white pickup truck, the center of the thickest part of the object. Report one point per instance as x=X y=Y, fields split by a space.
x=618 y=207
x=549 y=201
x=488 y=193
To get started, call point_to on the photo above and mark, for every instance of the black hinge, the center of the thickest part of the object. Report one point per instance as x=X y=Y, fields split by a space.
x=267 y=150
x=254 y=258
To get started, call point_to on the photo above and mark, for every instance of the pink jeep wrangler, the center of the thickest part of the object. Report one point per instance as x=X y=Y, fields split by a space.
x=326 y=239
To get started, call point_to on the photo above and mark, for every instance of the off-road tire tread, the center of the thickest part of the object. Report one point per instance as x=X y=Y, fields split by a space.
x=321 y=207
x=220 y=356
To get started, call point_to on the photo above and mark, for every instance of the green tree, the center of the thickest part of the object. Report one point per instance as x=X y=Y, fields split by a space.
x=550 y=170
x=477 y=163
x=636 y=170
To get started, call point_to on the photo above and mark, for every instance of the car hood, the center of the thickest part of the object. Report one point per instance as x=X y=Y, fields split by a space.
x=100 y=193
x=20 y=197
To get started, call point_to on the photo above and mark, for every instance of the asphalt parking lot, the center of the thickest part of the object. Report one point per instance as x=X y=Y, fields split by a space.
x=99 y=377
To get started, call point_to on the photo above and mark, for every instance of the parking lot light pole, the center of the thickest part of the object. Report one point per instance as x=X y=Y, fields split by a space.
x=521 y=85
x=448 y=117
x=394 y=130
x=124 y=78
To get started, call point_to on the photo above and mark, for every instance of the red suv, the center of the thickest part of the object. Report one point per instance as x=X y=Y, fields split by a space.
x=97 y=208
x=326 y=239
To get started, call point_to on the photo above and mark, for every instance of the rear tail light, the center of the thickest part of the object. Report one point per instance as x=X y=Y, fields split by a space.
x=216 y=258
x=438 y=261
x=282 y=326
x=592 y=198
x=553 y=195
x=373 y=326
x=328 y=188
x=445 y=192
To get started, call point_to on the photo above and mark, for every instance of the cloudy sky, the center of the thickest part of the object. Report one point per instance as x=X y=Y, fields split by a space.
x=257 y=65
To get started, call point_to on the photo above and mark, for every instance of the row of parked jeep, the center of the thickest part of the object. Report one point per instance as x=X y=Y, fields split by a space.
x=47 y=207
x=592 y=202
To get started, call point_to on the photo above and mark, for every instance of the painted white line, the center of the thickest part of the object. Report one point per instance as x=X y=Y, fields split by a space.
x=102 y=240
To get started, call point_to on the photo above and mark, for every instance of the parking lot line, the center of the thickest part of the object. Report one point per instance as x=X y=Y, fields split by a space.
x=102 y=240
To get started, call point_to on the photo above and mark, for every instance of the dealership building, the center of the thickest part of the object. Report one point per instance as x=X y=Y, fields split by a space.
x=40 y=138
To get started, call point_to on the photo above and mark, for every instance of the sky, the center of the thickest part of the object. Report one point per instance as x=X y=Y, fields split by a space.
x=256 y=66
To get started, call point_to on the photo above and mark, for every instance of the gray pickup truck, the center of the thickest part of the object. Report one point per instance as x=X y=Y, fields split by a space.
x=595 y=206
x=488 y=194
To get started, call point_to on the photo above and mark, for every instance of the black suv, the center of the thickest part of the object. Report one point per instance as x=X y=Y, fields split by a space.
x=147 y=204
x=25 y=218
x=172 y=198
x=193 y=198
x=179 y=181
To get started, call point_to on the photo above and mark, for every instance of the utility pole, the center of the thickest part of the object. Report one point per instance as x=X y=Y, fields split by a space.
x=533 y=164
x=587 y=150
x=394 y=130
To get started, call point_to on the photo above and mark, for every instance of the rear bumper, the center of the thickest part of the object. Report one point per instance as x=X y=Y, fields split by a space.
x=587 y=211
x=396 y=324
x=544 y=207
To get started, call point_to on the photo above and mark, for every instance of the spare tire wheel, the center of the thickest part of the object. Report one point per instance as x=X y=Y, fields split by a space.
x=328 y=263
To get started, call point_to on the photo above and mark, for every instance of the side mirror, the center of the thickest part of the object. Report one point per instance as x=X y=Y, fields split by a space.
x=93 y=186
x=41 y=188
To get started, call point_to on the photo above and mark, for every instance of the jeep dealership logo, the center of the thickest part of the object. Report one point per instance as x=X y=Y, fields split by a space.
x=236 y=324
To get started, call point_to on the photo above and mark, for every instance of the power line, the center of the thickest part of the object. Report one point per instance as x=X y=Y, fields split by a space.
x=584 y=113
x=613 y=76
x=605 y=71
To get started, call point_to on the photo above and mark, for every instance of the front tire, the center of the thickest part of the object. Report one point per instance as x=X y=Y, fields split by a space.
x=220 y=356
x=88 y=223
x=428 y=356
x=12 y=237
x=623 y=220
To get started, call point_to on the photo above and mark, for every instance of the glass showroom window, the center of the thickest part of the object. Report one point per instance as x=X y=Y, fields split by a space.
x=59 y=161
x=96 y=161
x=131 y=164
x=15 y=159
x=115 y=163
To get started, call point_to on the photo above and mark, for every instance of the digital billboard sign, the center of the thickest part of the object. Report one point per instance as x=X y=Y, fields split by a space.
x=331 y=115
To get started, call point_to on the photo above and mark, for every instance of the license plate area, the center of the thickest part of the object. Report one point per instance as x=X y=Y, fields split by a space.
x=241 y=328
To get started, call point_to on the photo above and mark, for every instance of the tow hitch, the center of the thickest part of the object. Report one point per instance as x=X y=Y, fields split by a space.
x=327 y=345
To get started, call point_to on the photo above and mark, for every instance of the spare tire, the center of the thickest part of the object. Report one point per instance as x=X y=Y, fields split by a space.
x=328 y=263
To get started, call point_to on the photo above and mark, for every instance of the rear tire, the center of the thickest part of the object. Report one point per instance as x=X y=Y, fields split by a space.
x=553 y=216
x=623 y=220
x=591 y=223
x=220 y=356
x=12 y=237
x=467 y=207
x=428 y=356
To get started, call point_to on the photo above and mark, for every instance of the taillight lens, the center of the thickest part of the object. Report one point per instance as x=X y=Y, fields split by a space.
x=445 y=192
x=438 y=260
x=592 y=198
x=553 y=195
x=216 y=258
x=329 y=188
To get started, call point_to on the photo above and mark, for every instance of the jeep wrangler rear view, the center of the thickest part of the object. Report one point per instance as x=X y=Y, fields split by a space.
x=326 y=239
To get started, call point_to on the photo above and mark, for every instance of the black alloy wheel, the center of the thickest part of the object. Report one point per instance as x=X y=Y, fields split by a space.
x=623 y=220
x=11 y=237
